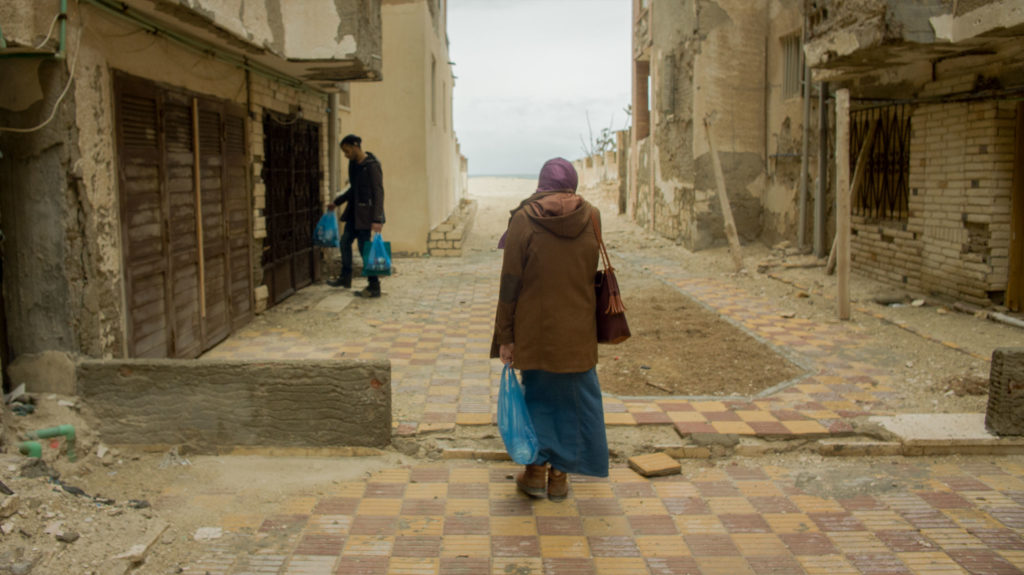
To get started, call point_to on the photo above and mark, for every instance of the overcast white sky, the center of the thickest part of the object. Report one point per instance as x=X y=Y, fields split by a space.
x=527 y=73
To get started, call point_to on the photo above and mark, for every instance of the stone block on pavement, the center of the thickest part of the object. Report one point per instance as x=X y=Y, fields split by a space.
x=654 y=465
x=1005 y=412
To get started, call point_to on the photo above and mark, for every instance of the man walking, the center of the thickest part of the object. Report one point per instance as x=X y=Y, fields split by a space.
x=364 y=210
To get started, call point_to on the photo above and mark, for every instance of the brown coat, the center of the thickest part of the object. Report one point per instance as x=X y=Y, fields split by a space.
x=546 y=302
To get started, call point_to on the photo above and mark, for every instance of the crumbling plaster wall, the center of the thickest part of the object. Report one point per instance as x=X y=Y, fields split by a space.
x=34 y=213
x=784 y=120
x=729 y=88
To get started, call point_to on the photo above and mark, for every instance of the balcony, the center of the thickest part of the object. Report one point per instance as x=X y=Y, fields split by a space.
x=848 y=39
x=321 y=42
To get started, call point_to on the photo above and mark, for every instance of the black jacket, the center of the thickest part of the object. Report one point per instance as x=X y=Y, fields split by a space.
x=364 y=198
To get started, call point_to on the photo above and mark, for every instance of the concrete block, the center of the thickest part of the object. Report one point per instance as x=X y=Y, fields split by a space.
x=435 y=236
x=46 y=372
x=210 y=405
x=1005 y=412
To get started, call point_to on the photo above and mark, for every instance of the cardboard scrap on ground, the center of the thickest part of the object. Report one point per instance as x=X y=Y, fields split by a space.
x=654 y=465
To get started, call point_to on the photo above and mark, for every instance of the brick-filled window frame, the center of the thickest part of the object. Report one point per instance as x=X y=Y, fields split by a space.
x=884 y=191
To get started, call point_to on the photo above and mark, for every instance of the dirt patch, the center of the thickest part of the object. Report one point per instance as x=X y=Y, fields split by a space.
x=680 y=348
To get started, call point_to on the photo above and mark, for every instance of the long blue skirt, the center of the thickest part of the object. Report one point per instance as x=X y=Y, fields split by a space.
x=568 y=416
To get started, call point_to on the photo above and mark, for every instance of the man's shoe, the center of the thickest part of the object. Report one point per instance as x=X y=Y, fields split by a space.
x=341 y=281
x=367 y=292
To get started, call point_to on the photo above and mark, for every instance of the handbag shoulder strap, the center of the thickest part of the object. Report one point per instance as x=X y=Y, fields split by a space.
x=600 y=242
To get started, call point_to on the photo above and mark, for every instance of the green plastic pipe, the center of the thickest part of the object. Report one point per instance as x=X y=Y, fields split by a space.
x=3 y=43
x=31 y=449
x=68 y=431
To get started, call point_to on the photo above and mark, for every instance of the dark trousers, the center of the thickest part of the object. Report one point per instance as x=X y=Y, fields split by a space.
x=361 y=237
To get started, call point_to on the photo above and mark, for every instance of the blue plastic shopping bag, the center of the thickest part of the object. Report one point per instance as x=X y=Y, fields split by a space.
x=377 y=257
x=514 y=420
x=326 y=233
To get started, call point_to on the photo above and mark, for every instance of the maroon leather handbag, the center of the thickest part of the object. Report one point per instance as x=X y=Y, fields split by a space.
x=611 y=312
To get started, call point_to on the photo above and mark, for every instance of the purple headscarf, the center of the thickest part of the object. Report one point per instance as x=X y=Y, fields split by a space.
x=557 y=175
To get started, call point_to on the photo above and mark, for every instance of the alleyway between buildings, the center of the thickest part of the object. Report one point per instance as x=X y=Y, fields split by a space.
x=758 y=493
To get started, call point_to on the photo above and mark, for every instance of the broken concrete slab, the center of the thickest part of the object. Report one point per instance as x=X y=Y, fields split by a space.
x=944 y=433
x=335 y=302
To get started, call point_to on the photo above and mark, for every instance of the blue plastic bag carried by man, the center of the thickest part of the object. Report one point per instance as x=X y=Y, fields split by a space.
x=326 y=233
x=377 y=257
x=514 y=421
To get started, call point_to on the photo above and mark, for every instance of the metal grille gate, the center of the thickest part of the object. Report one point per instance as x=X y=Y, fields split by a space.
x=884 y=191
x=291 y=172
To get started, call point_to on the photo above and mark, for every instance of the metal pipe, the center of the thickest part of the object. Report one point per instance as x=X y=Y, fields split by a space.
x=61 y=46
x=801 y=232
x=333 y=151
x=819 y=193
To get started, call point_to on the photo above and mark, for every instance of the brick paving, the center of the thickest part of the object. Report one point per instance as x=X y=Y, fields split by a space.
x=888 y=516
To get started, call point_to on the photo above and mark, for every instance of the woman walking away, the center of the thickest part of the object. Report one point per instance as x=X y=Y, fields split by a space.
x=545 y=326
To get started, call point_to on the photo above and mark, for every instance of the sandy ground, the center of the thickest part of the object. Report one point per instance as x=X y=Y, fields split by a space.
x=127 y=498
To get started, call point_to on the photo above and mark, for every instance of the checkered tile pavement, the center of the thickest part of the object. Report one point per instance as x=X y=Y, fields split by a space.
x=441 y=370
x=899 y=516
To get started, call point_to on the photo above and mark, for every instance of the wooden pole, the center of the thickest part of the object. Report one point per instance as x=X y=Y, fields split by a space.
x=843 y=201
x=197 y=178
x=858 y=177
x=723 y=198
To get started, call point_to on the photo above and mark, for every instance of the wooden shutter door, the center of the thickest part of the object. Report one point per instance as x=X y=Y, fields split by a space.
x=143 y=210
x=179 y=148
x=236 y=188
x=217 y=321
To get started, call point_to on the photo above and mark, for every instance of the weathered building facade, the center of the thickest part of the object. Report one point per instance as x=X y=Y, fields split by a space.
x=406 y=120
x=162 y=164
x=718 y=67
x=940 y=81
x=942 y=205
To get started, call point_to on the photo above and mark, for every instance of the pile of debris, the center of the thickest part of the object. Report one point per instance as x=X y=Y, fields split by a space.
x=49 y=523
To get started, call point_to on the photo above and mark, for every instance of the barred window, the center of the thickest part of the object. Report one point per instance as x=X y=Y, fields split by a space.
x=884 y=190
x=792 y=66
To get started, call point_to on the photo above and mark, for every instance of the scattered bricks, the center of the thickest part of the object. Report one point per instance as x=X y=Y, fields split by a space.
x=436 y=235
x=1005 y=412
x=654 y=465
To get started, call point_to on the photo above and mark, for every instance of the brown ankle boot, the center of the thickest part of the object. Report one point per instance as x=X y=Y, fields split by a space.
x=558 y=485
x=532 y=480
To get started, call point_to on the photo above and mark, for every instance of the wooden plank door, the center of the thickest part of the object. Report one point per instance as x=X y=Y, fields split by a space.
x=239 y=218
x=179 y=146
x=185 y=218
x=216 y=265
x=143 y=221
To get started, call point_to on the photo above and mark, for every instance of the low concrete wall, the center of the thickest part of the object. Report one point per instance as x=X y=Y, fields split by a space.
x=212 y=405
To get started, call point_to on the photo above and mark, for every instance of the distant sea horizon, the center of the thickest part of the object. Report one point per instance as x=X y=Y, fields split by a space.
x=511 y=176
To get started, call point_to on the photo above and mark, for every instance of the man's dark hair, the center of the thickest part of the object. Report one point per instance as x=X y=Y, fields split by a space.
x=352 y=140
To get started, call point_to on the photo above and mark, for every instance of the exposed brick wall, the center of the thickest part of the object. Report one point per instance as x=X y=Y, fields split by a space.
x=956 y=239
x=446 y=239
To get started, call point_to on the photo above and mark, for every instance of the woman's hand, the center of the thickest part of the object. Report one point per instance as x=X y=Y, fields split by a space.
x=505 y=352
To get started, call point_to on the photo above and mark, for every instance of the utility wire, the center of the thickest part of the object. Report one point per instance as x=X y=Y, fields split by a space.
x=64 y=92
